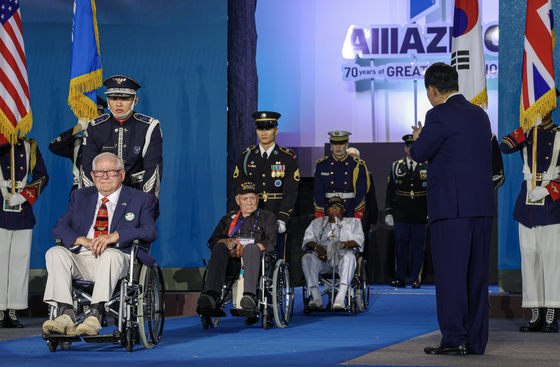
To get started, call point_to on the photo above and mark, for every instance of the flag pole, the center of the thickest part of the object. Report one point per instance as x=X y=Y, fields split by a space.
x=534 y=161
x=13 y=168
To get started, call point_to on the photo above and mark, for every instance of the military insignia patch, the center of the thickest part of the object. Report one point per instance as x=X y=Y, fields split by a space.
x=136 y=149
x=324 y=173
x=129 y=216
x=276 y=152
x=236 y=172
x=277 y=183
x=296 y=175
x=423 y=174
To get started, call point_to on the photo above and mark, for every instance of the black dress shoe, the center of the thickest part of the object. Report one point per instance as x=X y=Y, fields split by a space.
x=398 y=283
x=10 y=320
x=415 y=284
x=550 y=323
x=206 y=302
x=248 y=302
x=460 y=350
x=536 y=323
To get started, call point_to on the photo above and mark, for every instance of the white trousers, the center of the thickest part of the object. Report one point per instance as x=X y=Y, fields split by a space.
x=64 y=265
x=540 y=265
x=313 y=266
x=15 y=251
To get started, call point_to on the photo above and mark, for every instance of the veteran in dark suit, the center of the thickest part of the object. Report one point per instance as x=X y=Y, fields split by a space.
x=69 y=145
x=134 y=137
x=457 y=143
x=407 y=210
x=341 y=175
x=273 y=169
x=95 y=230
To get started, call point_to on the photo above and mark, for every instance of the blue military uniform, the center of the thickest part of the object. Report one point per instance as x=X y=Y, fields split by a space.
x=136 y=138
x=539 y=223
x=16 y=224
x=342 y=176
x=406 y=202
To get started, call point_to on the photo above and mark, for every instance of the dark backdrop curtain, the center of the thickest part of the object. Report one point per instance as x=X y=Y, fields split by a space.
x=242 y=81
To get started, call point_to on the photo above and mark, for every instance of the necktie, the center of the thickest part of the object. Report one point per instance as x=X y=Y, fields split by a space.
x=265 y=156
x=102 y=220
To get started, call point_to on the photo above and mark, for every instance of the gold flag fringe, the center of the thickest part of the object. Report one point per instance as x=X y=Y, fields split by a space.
x=83 y=107
x=12 y=132
x=542 y=107
x=481 y=99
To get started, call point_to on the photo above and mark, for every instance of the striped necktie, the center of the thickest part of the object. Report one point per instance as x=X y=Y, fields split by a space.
x=102 y=220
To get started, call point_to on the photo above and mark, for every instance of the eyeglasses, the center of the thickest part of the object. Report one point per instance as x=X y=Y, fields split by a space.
x=110 y=173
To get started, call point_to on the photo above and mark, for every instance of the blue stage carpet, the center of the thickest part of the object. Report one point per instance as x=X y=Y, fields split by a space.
x=321 y=339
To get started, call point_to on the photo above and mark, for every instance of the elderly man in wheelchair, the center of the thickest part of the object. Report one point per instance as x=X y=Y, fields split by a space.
x=332 y=242
x=244 y=235
x=96 y=232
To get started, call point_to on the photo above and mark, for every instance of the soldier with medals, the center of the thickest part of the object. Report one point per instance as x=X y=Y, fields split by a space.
x=341 y=175
x=23 y=177
x=69 y=144
x=275 y=171
x=134 y=137
x=406 y=209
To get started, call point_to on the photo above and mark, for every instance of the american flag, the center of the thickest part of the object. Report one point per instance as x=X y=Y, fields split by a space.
x=15 y=105
x=538 y=91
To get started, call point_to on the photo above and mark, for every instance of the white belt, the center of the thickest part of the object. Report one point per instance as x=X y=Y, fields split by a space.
x=342 y=195
x=541 y=176
x=8 y=183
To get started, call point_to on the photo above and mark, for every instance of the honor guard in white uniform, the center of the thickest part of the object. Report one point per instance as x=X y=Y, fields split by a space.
x=273 y=169
x=134 y=137
x=341 y=175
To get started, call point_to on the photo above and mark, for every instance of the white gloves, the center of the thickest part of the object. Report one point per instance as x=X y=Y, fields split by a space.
x=538 y=193
x=16 y=199
x=389 y=220
x=281 y=226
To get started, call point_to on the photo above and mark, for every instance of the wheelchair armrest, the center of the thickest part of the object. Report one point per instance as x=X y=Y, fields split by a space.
x=140 y=245
x=58 y=241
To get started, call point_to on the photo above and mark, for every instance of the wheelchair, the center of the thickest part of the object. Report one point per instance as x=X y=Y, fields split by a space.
x=357 y=297
x=275 y=290
x=137 y=305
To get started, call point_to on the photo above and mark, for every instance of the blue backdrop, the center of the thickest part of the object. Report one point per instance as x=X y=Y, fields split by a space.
x=512 y=33
x=177 y=51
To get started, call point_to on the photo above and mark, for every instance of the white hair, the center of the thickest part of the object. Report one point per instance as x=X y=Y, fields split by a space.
x=118 y=160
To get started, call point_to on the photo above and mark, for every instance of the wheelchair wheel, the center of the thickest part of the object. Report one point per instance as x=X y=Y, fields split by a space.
x=151 y=306
x=65 y=345
x=283 y=294
x=210 y=322
x=265 y=321
x=363 y=288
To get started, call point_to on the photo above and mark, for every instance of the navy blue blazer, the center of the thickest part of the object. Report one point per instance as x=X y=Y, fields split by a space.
x=457 y=143
x=133 y=218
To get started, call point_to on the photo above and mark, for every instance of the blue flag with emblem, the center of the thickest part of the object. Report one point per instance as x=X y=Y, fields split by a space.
x=85 y=67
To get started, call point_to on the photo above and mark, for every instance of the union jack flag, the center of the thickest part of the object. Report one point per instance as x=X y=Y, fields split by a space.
x=15 y=105
x=538 y=91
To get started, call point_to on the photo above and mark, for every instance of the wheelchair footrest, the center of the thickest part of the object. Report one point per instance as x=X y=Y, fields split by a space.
x=211 y=313
x=239 y=312
x=102 y=338
x=314 y=309
x=60 y=338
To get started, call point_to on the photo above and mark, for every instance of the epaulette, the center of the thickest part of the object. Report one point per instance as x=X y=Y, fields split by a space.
x=359 y=161
x=399 y=161
x=248 y=149
x=25 y=138
x=143 y=118
x=286 y=150
x=99 y=120
x=322 y=159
